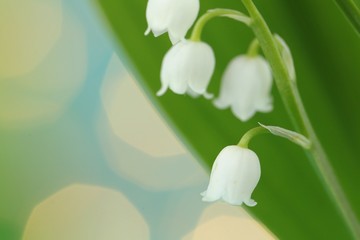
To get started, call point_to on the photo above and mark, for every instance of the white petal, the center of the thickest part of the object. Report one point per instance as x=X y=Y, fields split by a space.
x=265 y=105
x=208 y=96
x=233 y=193
x=148 y=30
x=246 y=87
x=244 y=77
x=179 y=69
x=175 y=38
x=183 y=16
x=219 y=174
x=228 y=89
x=169 y=67
x=158 y=15
x=202 y=65
x=193 y=94
x=228 y=92
x=243 y=111
x=187 y=67
x=222 y=102
x=264 y=98
x=251 y=176
x=244 y=178
x=234 y=176
x=287 y=57
x=173 y=16
x=263 y=72
x=250 y=202
x=162 y=90
x=178 y=85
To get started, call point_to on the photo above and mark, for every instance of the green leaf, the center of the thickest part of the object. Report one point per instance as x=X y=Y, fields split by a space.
x=292 y=201
x=351 y=10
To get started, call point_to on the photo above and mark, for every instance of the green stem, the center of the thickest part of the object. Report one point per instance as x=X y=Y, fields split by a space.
x=246 y=138
x=253 y=49
x=196 y=33
x=352 y=11
x=293 y=103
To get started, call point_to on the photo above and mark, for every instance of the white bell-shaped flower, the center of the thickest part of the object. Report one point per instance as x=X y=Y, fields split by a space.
x=173 y=16
x=234 y=176
x=187 y=68
x=246 y=87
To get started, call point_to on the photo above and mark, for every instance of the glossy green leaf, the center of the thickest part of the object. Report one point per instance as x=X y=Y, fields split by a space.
x=292 y=201
x=351 y=10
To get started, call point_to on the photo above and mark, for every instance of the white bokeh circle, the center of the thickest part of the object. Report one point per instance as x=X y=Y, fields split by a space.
x=82 y=212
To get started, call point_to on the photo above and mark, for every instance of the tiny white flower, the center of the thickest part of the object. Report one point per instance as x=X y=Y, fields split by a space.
x=286 y=56
x=234 y=176
x=187 y=68
x=173 y=16
x=246 y=87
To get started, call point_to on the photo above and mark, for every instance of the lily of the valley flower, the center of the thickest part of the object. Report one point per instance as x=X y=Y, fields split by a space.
x=173 y=16
x=234 y=176
x=246 y=87
x=187 y=68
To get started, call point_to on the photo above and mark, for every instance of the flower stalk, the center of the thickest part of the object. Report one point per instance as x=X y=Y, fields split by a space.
x=253 y=49
x=219 y=12
x=246 y=138
x=293 y=103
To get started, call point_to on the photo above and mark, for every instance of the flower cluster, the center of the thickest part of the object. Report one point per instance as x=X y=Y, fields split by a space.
x=187 y=68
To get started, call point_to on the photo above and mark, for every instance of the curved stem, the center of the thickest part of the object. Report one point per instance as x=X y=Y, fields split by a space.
x=296 y=110
x=253 y=49
x=352 y=11
x=246 y=138
x=219 y=12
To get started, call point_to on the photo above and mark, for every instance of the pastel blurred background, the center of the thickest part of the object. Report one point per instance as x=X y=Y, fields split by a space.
x=83 y=154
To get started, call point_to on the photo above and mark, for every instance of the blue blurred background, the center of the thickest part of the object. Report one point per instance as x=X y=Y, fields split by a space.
x=83 y=154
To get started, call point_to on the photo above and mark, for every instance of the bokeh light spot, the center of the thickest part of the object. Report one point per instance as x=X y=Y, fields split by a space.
x=82 y=212
x=132 y=117
x=28 y=31
x=42 y=95
x=223 y=221
x=137 y=143
x=153 y=173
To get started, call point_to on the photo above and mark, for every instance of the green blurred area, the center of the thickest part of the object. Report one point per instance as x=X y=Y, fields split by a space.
x=293 y=203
